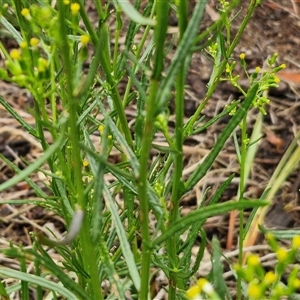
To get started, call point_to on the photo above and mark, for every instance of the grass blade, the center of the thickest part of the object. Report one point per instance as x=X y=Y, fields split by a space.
x=31 y=168
x=33 y=279
x=128 y=255
x=204 y=213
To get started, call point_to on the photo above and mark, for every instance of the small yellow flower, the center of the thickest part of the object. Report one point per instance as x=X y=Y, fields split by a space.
x=257 y=69
x=84 y=39
x=85 y=163
x=253 y=260
x=242 y=56
x=66 y=2
x=283 y=66
x=193 y=292
x=282 y=254
x=34 y=42
x=254 y=291
x=101 y=128
x=23 y=45
x=270 y=277
x=109 y=137
x=296 y=283
x=205 y=286
x=15 y=54
x=25 y=12
x=296 y=242
x=75 y=7
x=276 y=79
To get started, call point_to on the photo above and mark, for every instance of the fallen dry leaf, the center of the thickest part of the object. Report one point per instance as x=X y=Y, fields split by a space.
x=290 y=76
x=275 y=140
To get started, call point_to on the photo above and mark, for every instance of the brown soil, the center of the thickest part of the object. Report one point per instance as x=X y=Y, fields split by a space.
x=273 y=28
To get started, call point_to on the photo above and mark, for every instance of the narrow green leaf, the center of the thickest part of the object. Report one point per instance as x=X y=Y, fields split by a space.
x=31 y=168
x=221 y=189
x=3 y=292
x=233 y=123
x=122 y=141
x=24 y=283
x=39 y=192
x=128 y=255
x=282 y=234
x=180 y=55
x=133 y=14
x=33 y=279
x=216 y=118
x=98 y=170
x=110 y=267
x=200 y=252
x=204 y=213
x=218 y=271
x=17 y=117
x=15 y=34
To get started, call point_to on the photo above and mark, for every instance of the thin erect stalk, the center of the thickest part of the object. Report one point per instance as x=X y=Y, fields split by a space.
x=241 y=196
x=178 y=157
x=160 y=31
x=88 y=255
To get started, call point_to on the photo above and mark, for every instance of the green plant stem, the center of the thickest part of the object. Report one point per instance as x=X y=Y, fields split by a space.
x=142 y=189
x=177 y=178
x=178 y=160
x=222 y=66
x=241 y=197
x=88 y=252
x=162 y=9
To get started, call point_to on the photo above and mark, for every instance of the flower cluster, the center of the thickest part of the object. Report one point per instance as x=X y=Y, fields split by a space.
x=269 y=285
x=266 y=78
x=261 y=284
x=29 y=64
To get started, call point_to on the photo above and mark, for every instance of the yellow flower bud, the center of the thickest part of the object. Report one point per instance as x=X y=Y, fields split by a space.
x=254 y=291
x=75 y=7
x=296 y=242
x=242 y=56
x=34 y=42
x=25 y=12
x=283 y=66
x=253 y=260
x=101 y=128
x=282 y=254
x=23 y=45
x=276 y=79
x=15 y=54
x=193 y=292
x=84 y=39
x=270 y=277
